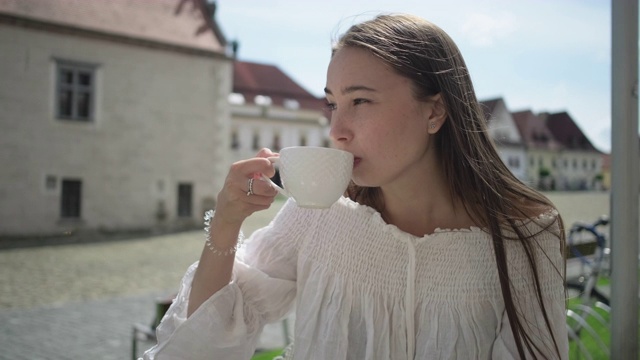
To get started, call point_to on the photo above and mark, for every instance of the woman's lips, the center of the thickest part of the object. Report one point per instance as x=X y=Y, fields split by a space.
x=356 y=161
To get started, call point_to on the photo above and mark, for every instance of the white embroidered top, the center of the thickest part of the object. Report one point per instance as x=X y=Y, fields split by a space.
x=364 y=289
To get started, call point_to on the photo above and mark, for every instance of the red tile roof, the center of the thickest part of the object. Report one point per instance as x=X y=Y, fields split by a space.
x=567 y=132
x=252 y=79
x=534 y=131
x=185 y=23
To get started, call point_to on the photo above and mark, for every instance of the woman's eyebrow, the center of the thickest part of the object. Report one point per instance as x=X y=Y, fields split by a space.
x=351 y=89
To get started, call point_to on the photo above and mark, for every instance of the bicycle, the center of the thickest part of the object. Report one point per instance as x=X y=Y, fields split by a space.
x=590 y=313
x=585 y=285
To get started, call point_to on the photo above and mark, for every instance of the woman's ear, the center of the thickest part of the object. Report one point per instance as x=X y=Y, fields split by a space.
x=437 y=115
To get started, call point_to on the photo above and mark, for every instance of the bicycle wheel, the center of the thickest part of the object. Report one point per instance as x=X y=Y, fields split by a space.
x=575 y=290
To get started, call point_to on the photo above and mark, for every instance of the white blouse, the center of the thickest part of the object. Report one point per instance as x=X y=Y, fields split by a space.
x=364 y=289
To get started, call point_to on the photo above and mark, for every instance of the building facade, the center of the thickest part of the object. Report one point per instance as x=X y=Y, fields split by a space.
x=505 y=135
x=270 y=110
x=114 y=114
x=579 y=162
x=125 y=115
x=544 y=153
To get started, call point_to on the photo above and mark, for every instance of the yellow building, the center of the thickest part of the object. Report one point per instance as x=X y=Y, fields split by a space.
x=559 y=155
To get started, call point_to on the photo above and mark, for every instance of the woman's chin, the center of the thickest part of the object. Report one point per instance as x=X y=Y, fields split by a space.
x=363 y=182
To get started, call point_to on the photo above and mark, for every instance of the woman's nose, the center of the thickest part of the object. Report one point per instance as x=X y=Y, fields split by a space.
x=339 y=130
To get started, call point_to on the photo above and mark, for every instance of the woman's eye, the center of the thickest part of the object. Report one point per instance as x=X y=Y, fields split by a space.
x=330 y=106
x=360 y=101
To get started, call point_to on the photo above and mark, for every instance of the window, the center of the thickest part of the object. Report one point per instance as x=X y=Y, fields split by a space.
x=236 y=99
x=235 y=141
x=276 y=142
x=256 y=141
x=71 y=199
x=185 y=192
x=291 y=104
x=50 y=183
x=501 y=136
x=75 y=91
x=514 y=162
x=262 y=100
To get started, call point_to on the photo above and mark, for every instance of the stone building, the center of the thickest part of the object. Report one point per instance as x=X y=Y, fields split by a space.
x=269 y=109
x=114 y=114
x=546 y=151
x=505 y=135
x=543 y=162
x=579 y=162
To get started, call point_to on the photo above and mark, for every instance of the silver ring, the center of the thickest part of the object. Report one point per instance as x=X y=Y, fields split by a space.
x=250 y=192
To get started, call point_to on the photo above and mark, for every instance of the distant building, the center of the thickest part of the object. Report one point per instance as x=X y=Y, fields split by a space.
x=505 y=135
x=269 y=109
x=125 y=115
x=580 y=163
x=114 y=116
x=544 y=153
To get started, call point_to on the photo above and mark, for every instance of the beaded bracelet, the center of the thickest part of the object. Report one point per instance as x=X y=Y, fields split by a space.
x=207 y=227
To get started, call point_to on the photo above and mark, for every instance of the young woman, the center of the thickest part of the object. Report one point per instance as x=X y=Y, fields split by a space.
x=436 y=252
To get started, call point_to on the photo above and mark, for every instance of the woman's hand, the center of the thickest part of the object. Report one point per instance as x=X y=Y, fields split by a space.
x=235 y=203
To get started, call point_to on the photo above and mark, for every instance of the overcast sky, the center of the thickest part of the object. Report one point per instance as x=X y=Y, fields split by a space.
x=544 y=55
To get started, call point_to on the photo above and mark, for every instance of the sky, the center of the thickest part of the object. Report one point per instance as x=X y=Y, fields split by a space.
x=540 y=55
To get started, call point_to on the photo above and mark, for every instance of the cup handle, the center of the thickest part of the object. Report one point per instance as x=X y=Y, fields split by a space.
x=274 y=160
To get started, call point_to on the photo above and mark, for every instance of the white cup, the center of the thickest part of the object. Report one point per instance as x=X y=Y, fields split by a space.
x=315 y=177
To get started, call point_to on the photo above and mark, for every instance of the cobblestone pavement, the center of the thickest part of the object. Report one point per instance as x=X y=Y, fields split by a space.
x=80 y=301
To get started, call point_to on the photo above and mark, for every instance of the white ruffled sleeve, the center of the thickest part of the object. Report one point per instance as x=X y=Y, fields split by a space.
x=262 y=290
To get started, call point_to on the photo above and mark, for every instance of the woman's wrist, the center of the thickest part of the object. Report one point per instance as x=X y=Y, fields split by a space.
x=221 y=238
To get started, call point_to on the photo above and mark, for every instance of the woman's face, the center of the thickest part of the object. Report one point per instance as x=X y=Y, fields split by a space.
x=375 y=116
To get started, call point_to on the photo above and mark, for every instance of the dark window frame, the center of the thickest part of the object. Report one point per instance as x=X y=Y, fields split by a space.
x=276 y=146
x=71 y=198
x=77 y=82
x=235 y=140
x=185 y=200
x=50 y=183
x=514 y=162
x=255 y=141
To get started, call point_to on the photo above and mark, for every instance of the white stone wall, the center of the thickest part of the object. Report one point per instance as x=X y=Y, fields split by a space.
x=504 y=132
x=502 y=128
x=515 y=159
x=542 y=158
x=161 y=118
x=563 y=173
x=581 y=175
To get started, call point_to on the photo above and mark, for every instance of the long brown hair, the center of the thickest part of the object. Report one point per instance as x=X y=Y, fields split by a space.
x=493 y=197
